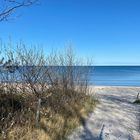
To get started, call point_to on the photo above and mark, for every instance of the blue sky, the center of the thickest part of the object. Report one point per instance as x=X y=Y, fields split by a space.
x=106 y=30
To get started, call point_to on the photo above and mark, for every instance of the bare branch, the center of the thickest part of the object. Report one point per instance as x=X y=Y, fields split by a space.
x=9 y=6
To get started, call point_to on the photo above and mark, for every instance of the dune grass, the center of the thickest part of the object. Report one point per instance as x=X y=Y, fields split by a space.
x=60 y=115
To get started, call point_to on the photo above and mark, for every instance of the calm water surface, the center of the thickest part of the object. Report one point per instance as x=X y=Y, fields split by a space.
x=105 y=75
x=116 y=75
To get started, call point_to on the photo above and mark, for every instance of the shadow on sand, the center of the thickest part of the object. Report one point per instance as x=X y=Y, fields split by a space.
x=87 y=135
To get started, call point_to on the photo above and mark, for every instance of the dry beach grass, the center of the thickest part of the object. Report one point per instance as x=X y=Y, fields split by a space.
x=59 y=115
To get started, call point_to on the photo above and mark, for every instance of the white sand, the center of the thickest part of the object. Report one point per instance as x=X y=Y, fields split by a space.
x=115 y=118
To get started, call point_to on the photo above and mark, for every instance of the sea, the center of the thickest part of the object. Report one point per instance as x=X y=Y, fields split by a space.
x=115 y=76
x=107 y=75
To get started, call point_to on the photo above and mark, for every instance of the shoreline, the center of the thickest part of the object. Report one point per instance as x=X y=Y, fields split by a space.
x=114 y=86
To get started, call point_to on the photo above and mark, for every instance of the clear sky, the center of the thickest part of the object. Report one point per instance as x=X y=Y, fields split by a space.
x=106 y=30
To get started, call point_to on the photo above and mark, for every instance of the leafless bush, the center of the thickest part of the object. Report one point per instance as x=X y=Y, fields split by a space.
x=54 y=81
x=68 y=72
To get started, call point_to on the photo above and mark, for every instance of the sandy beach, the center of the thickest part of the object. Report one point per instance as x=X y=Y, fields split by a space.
x=115 y=117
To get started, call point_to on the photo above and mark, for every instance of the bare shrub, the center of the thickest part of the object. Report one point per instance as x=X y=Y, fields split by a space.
x=67 y=72
x=43 y=87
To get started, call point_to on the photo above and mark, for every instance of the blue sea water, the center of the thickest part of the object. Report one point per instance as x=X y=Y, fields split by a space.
x=102 y=75
x=115 y=76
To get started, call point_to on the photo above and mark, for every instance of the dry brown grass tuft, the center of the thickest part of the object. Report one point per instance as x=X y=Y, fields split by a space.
x=59 y=116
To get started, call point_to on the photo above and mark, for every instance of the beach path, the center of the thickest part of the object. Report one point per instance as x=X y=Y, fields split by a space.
x=115 y=117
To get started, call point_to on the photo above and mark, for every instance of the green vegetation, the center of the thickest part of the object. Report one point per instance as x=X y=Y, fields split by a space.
x=137 y=101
